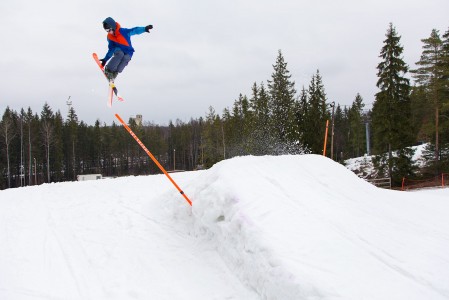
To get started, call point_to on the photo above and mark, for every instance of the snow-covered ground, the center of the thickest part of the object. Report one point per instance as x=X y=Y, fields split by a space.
x=285 y=227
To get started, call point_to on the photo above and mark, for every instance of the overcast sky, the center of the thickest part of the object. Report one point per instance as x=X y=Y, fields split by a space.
x=200 y=53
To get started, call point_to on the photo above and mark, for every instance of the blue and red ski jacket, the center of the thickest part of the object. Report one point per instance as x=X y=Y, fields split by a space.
x=120 y=38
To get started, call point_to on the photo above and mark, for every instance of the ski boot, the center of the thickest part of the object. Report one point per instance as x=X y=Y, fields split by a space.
x=110 y=75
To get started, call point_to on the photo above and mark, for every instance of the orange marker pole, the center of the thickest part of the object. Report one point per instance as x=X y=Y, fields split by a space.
x=153 y=158
x=325 y=138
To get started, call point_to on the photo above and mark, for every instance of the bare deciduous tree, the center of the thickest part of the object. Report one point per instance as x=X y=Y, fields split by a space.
x=8 y=134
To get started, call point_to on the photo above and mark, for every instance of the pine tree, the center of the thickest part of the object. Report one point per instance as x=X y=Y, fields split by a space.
x=98 y=146
x=422 y=115
x=445 y=91
x=47 y=131
x=341 y=125
x=28 y=119
x=57 y=156
x=316 y=115
x=237 y=139
x=282 y=100
x=391 y=110
x=71 y=140
x=356 y=134
x=445 y=64
x=228 y=132
x=300 y=117
x=107 y=154
x=212 y=139
x=260 y=137
x=430 y=75
x=252 y=122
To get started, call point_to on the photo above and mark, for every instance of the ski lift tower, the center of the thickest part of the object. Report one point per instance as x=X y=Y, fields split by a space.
x=69 y=104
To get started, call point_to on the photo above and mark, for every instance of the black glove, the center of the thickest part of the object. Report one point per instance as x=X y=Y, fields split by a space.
x=103 y=62
x=147 y=28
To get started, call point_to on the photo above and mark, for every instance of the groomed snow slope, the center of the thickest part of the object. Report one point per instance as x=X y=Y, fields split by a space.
x=286 y=227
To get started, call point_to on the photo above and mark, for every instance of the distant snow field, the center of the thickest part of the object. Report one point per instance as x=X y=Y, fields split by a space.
x=284 y=227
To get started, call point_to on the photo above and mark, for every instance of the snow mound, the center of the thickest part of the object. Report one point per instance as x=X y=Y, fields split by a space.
x=304 y=227
x=277 y=228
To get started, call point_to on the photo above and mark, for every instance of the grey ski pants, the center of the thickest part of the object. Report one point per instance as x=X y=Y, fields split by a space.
x=118 y=61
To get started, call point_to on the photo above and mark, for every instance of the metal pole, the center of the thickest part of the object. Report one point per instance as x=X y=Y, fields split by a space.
x=35 y=172
x=368 y=146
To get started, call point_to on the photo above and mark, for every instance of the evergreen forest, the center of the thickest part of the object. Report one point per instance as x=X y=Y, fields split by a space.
x=411 y=107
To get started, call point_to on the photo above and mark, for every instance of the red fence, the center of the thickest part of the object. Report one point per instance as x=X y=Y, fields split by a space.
x=436 y=181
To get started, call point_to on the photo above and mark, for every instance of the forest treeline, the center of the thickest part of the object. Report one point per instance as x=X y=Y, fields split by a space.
x=276 y=118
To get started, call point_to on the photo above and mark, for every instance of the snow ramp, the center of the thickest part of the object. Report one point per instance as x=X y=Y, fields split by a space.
x=277 y=228
x=304 y=227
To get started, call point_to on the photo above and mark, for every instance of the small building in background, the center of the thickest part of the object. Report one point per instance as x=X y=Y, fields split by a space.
x=89 y=177
x=138 y=120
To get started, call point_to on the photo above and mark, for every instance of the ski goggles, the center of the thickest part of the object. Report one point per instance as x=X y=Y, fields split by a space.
x=108 y=29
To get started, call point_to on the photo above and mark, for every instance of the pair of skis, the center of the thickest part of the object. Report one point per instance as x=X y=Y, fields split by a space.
x=112 y=88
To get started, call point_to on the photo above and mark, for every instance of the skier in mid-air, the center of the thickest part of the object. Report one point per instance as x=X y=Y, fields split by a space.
x=119 y=47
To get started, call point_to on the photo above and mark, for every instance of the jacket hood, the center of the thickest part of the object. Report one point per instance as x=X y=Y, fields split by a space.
x=110 y=22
